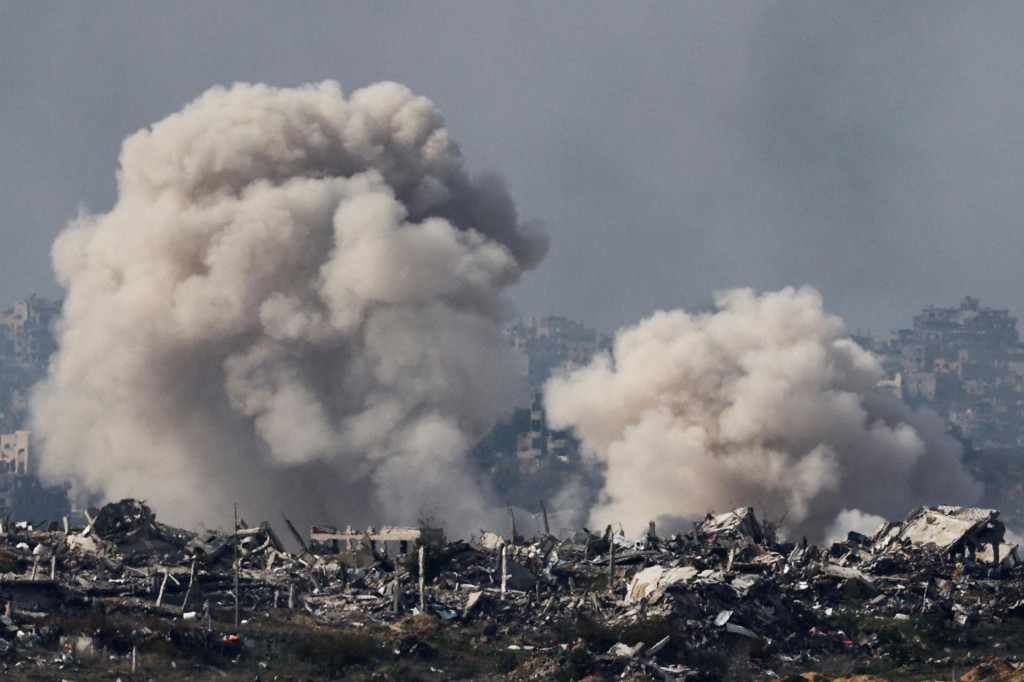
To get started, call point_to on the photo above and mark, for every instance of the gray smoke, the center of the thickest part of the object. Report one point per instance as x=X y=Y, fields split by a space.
x=765 y=402
x=295 y=304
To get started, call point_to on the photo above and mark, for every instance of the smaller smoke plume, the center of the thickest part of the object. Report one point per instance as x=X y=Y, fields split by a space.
x=766 y=402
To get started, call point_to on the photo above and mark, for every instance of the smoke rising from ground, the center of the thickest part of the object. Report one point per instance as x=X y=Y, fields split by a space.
x=295 y=304
x=765 y=402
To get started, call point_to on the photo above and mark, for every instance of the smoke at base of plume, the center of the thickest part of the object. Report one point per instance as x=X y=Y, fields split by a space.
x=765 y=402
x=295 y=304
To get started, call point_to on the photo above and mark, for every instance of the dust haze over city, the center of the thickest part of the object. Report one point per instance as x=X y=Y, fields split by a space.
x=291 y=243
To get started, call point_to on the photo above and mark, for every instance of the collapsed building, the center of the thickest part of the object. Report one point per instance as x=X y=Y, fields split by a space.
x=728 y=586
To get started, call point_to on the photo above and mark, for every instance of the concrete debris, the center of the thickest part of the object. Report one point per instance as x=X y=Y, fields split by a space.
x=739 y=526
x=123 y=522
x=728 y=586
x=655 y=580
x=953 y=530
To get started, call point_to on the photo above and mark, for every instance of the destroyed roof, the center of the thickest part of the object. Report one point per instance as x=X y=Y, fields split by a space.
x=949 y=528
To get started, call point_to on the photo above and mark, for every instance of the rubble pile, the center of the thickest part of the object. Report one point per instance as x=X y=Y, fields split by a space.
x=727 y=597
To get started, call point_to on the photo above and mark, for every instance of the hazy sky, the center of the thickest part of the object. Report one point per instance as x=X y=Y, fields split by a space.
x=872 y=150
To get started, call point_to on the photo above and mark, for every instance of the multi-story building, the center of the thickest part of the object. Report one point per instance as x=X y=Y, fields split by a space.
x=26 y=343
x=967 y=363
x=22 y=496
x=539 y=447
x=26 y=333
x=552 y=342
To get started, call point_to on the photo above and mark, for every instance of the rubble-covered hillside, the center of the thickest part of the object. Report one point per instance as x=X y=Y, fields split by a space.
x=938 y=595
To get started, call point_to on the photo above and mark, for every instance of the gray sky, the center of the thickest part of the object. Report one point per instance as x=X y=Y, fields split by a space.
x=872 y=150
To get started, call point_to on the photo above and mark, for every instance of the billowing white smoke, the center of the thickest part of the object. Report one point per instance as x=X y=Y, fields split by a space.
x=764 y=403
x=853 y=520
x=294 y=304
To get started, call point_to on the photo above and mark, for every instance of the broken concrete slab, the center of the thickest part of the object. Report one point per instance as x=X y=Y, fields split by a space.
x=655 y=578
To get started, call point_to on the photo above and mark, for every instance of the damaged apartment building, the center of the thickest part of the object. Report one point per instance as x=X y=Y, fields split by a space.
x=26 y=343
x=522 y=455
x=538 y=446
x=528 y=460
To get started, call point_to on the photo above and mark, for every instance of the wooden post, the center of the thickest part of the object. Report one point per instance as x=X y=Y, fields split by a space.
x=504 y=570
x=423 y=580
x=611 y=568
x=163 y=585
x=191 y=581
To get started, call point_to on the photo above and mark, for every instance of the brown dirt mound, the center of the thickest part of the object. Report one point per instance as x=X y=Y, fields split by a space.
x=996 y=670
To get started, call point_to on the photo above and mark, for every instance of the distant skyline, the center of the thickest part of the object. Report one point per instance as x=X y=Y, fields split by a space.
x=872 y=150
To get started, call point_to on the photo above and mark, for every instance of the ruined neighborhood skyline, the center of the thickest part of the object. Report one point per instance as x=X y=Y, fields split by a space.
x=292 y=246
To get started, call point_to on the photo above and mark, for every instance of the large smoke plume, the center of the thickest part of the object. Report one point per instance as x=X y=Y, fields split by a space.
x=765 y=402
x=294 y=304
